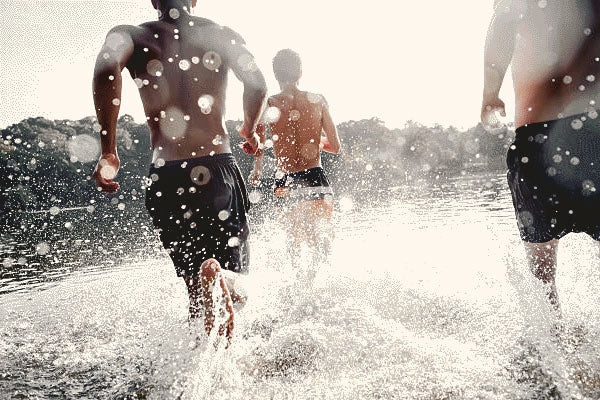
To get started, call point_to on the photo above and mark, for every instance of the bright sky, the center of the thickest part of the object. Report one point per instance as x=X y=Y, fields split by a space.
x=396 y=60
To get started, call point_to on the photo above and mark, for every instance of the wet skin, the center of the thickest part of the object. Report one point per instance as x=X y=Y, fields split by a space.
x=554 y=50
x=182 y=80
x=180 y=65
x=297 y=120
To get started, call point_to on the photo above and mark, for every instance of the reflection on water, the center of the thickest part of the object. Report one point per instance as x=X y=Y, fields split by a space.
x=426 y=296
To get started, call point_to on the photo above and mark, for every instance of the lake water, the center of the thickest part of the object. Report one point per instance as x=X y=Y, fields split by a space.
x=426 y=296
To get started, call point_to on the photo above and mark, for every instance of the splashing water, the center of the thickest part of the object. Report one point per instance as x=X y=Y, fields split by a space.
x=405 y=308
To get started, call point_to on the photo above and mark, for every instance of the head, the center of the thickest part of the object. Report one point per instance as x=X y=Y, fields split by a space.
x=162 y=5
x=287 y=67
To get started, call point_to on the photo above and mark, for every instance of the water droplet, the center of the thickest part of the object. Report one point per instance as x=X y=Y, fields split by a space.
x=218 y=140
x=577 y=124
x=184 y=65
x=575 y=161
x=174 y=13
x=588 y=188
x=68 y=225
x=211 y=60
x=233 y=242
x=587 y=31
x=172 y=123
x=590 y=78
x=275 y=138
x=525 y=160
x=114 y=41
x=294 y=115
x=224 y=214
x=254 y=196
x=551 y=171
x=205 y=102
x=111 y=78
x=54 y=210
x=272 y=115
x=154 y=68
x=108 y=172
x=246 y=63
x=557 y=158
x=200 y=175
x=116 y=101
x=567 y=80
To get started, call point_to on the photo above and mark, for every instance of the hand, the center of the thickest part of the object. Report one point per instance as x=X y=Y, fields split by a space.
x=105 y=172
x=490 y=106
x=251 y=144
x=254 y=178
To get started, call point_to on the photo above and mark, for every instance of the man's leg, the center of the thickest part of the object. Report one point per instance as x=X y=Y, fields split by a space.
x=200 y=291
x=542 y=262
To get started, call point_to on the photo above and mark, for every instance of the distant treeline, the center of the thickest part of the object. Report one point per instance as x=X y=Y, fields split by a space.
x=46 y=164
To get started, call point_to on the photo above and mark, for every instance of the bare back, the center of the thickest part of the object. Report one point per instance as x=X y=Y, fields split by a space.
x=554 y=71
x=181 y=71
x=297 y=132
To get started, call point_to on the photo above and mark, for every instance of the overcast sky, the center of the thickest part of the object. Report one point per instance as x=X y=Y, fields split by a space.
x=393 y=59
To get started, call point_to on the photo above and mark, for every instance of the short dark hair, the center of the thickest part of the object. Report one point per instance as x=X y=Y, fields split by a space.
x=287 y=66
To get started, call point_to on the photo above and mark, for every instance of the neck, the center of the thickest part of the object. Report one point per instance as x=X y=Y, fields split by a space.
x=289 y=87
x=173 y=10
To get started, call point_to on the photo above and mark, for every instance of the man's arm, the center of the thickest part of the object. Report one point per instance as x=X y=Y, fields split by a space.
x=107 y=82
x=331 y=142
x=245 y=69
x=499 y=47
x=261 y=131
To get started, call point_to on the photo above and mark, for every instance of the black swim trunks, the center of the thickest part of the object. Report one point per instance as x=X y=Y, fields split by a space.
x=307 y=185
x=554 y=177
x=199 y=208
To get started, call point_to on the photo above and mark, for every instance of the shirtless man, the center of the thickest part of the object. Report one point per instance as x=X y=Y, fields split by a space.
x=196 y=195
x=554 y=163
x=296 y=120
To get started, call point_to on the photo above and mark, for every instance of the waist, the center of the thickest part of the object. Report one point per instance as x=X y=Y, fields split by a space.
x=573 y=124
x=216 y=159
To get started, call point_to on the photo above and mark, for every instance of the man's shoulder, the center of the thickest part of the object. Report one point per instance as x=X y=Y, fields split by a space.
x=130 y=29
x=221 y=32
x=511 y=7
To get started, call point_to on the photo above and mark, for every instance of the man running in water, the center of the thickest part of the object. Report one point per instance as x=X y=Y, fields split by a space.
x=554 y=163
x=296 y=120
x=196 y=196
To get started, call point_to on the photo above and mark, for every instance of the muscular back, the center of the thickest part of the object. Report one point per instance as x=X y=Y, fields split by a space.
x=180 y=68
x=554 y=67
x=296 y=133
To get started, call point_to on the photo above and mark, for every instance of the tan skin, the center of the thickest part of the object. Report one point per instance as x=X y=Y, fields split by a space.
x=297 y=142
x=544 y=45
x=174 y=64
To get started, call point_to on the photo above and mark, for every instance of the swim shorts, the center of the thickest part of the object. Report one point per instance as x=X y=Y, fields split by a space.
x=307 y=185
x=553 y=170
x=199 y=208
